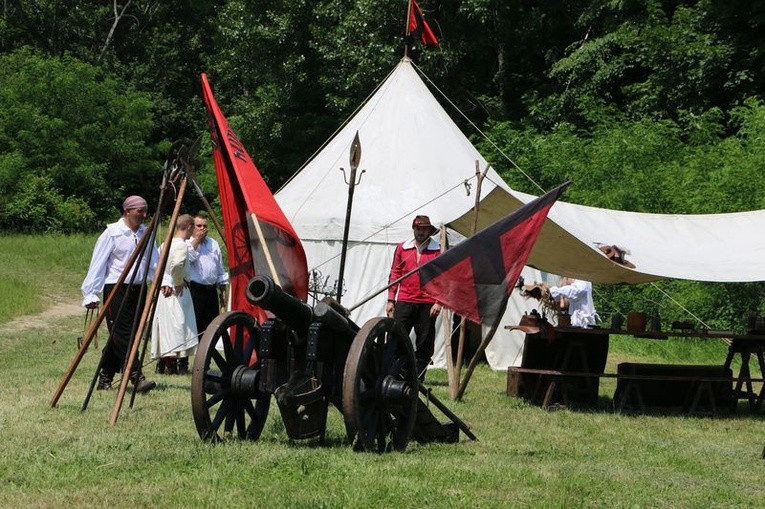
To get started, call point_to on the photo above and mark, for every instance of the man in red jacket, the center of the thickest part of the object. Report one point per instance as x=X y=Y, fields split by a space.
x=406 y=301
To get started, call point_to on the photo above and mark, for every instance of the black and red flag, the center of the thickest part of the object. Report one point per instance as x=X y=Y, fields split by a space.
x=418 y=27
x=259 y=238
x=475 y=278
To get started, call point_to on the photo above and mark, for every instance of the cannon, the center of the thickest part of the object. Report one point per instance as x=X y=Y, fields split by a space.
x=309 y=358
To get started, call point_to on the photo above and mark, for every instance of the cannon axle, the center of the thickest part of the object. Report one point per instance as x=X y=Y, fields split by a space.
x=244 y=381
x=395 y=390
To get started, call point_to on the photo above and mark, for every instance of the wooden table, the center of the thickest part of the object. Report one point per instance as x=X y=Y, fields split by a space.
x=574 y=349
x=569 y=349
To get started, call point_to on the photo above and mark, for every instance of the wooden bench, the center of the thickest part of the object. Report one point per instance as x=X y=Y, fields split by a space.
x=631 y=393
x=676 y=385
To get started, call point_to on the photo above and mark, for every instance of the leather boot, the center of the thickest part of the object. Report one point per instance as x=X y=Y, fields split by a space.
x=171 y=365
x=183 y=366
x=141 y=384
x=104 y=381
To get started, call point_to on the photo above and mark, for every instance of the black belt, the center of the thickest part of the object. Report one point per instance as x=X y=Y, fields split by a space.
x=194 y=284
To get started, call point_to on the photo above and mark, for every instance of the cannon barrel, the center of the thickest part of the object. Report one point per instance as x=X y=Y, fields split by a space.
x=341 y=325
x=263 y=292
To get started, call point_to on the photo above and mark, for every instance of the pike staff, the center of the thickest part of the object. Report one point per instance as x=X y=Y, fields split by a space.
x=355 y=158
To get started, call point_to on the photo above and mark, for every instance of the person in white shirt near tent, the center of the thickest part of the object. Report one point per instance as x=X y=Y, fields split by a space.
x=578 y=294
x=572 y=296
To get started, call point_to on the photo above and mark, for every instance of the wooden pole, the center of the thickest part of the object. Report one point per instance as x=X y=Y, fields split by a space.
x=406 y=29
x=150 y=302
x=193 y=178
x=446 y=317
x=458 y=367
x=474 y=360
x=266 y=250
x=479 y=176
x=101 y=315
x=451 y=415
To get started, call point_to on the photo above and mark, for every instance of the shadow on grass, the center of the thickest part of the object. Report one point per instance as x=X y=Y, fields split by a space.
x=607 y=405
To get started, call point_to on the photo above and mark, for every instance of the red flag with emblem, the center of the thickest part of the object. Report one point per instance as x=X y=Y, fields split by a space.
x=476 y=277
x=259 y=238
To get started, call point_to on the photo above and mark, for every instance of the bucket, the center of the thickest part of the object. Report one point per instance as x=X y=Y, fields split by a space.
x=636 y=321
x=303 y=407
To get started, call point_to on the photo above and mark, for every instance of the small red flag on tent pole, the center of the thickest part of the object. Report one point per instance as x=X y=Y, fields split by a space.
x=417 y=25
x=475 y=278
x=259 y=238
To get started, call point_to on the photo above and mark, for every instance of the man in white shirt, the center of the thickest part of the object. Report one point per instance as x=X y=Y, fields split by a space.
x=208 y=278
x=110 y=256
x=578 y=294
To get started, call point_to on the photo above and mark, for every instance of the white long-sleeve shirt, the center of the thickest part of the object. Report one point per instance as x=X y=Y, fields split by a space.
x=206 y=263
x=580 y=306
x=110 y=256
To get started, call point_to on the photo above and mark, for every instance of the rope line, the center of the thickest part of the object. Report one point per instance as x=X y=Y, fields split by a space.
x=401 y=217
x=502 y=152
x=331 y=136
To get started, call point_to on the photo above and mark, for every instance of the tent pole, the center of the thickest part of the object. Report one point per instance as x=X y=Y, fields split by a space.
x=446 y=317
x=463 y=324
x=406 y=29
x=474 y=361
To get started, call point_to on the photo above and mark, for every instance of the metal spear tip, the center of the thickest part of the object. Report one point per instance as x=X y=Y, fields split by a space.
x=355 y=152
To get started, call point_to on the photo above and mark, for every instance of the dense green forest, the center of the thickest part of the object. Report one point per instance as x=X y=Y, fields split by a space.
x=646 y=105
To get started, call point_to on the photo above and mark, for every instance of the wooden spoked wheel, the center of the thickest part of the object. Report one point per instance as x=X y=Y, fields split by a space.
x=380 y=387
x=225 y=399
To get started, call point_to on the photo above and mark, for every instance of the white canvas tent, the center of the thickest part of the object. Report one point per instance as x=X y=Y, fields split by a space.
x=710 y=247
x=417 y=161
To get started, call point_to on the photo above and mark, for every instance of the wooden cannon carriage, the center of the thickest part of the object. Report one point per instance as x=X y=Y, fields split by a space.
x=308 y=358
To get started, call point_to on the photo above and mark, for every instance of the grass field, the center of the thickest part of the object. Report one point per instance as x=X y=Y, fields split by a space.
x=39 y=271
x=525 y=457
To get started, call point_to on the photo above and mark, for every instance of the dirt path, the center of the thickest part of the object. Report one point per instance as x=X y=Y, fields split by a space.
x=57 y=311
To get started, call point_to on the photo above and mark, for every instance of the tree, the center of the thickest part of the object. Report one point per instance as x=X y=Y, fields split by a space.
x=655 y=58
x=72 y=142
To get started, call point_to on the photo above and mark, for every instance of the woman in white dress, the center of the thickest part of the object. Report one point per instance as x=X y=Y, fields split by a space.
x=174 y=331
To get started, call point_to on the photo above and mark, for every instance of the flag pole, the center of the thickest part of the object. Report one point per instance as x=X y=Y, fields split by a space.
x=474 y=361
x=406 y=30
x=192 y=176
x=378 y=292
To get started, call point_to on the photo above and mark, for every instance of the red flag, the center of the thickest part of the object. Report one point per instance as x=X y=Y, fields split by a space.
x=419 y=27
x=259 y=238
x=475 y=278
